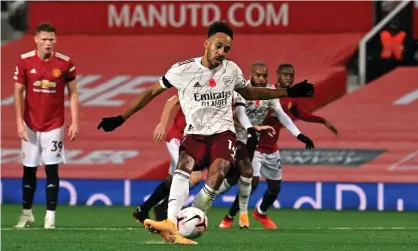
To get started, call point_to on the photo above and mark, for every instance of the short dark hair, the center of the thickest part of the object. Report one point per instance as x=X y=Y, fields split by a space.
x=282 y=66
x=221 y=27
x=45 y=27
x=258 y=63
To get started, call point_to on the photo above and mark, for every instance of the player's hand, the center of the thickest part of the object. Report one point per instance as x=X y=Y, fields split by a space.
x=159 y=133
x=331 y=127
x=22 y=132
x=252 y=140
x=266 y=128
x=308 y=142
x=73 y=132
x=111 y=123
x=302 y=89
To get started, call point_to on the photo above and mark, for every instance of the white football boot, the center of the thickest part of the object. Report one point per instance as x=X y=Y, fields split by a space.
x=25 y=219
x=49 y=222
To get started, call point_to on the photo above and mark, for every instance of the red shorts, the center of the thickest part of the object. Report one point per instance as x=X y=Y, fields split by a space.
x=204 y=149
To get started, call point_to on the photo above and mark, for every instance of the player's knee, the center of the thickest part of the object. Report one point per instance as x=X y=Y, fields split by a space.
x=254 y=182
x=29 y=172
x=186 y=162
x=29 y=177
x=223 y=168
x=245 y=168
x=52 y=173
x=168 y=181
x=217 y=173
x=274 y=187
x=195 y=178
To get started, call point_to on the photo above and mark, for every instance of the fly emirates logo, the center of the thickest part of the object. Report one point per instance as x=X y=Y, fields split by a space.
x=45 y=86
x=213 y=98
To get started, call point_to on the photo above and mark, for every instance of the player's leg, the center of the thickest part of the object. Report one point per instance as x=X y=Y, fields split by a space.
x=162 y=190
x=208 y=193
x=193 y=150
x=222 y=155
x=52 y=154
x=179 y=191
x=31 y=151
x=231 y=179
x=244 y=185
x=160 y=210
x=272 y=171
x=160 y=193
x=256 y=166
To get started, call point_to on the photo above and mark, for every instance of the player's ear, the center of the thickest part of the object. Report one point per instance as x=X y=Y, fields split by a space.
x=35 y=39
x=206 y=44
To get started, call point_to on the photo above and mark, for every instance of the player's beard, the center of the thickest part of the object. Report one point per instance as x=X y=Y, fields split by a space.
x=256 y=85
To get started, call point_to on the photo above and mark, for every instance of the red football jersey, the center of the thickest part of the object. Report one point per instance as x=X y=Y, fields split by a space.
x=177 y=129
x=45 y=83
x=268 y=144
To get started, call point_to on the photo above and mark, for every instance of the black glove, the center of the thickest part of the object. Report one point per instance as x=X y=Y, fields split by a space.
x=308 y=142
x=111 y=123
x=302 y=89
x=252 y=141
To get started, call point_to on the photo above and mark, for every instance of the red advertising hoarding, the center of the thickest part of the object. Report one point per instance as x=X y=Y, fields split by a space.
x=194 y=17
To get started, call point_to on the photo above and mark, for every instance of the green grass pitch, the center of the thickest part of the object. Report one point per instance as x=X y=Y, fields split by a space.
x=112 y=228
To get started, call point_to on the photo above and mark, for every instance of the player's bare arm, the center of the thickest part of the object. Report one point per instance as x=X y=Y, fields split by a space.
x=161 y=128
x=288 y=123
x=303 y=89
x=331 y=127
x=139 y=102
x=265 y=129
x=309 y=117
x=74 y=108
x=19 y=107
x=142 y=100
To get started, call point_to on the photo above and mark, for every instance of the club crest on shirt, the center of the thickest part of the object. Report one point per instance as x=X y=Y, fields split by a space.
x=227 y=80
x=56 y=73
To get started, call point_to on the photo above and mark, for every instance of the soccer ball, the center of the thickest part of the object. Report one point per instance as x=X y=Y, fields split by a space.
x=192 y=222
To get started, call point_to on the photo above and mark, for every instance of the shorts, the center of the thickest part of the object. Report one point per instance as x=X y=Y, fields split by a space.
x=268 y=165
x=173 y=147
x=43 y=148
x=205 y=149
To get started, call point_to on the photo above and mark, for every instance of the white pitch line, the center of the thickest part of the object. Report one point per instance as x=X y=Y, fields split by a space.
x=139 y=228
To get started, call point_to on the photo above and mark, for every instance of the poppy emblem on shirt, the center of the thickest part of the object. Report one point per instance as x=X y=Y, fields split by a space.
x=56 y=73
x=212 y=82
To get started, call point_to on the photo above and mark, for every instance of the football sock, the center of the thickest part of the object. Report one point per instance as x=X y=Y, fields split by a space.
x=28 y=186
x=160 y=210
x=268 y=200
x=233 y=210
x=178 y=194
x=224 y=186
x=160 y=192
x=244 y=191
x=52 y=186
x=204 y=198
